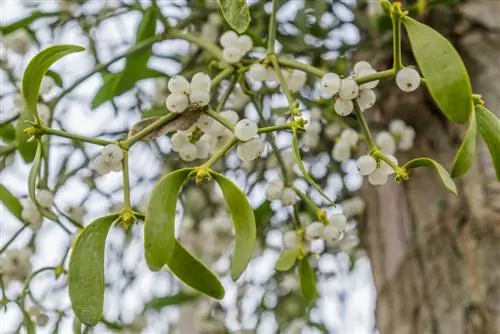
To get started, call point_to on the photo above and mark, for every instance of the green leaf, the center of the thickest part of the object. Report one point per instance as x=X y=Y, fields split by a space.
x=244 y=224
x=24 y=22
x=7 y=132
x=443 y=174
x=11 y=202
x=193 y=273
x=56 y=77
x=287 y=259
x=180 y=298
x=159 y=225
x=155 y=111
x=307 y=280
x=263 y=214
x=236 y=14
x=26 y=148
x=305 y=173
x=37 y=67
x=32 y=182
x=86 y=270
x=443 y=70
x=466 y=154
x=113 y=86
x=489 y=128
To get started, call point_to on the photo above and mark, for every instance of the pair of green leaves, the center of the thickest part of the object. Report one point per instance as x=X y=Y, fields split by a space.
x=236 y=14
x=136 y=64
x=161 y=248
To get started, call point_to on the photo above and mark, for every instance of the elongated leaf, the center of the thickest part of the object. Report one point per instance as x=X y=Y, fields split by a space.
x=25 y=22
x=32 y=182
x=113 y=87
x=307 y=280
x=192 y=272
x=305 y=173
x=236 y=14
x=86 y=270
x=443 y=174
x=489 y=127
x=443 y=70
x=180 y=298
x=56 y=77
x=26 y=148
x=11 y=202
x=37 y=67
x=287 y=259
x=466 y=154
x=244 y=224
x=159 y=225
x=7 y=133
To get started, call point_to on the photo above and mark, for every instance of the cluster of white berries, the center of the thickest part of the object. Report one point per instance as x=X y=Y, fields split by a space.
x=252 y=146
x=404 y=135
x=183 y=93
x=277 y=191
x=18 y=41
x=109 y=160
x=295 y=79
x=15 y=265
x=377 y=171
x=41 y=318
x=234 y=47
x=408 y=79
x=342 y=149
x=347 y=89
x=31 y=214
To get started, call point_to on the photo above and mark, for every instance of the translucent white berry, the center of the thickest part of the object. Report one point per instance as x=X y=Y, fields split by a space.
x=397 y=127
x=257 y=72
x=349 y=89
x=288 y=196
x=341 y=152
x=251 y=149
x=314 y=230
x=366 y=164
x=330 y=84
x=199 y=97
x=245 y=129
x=311 y=139
x=385 y=167
x=179 y=140
x=188 y=152
x=371 y=84
x=31 y=215
x=378 y=177
x=353 y=206
x=229 y=39
x=203 y=149
x=291 y=240
x=330 y=234
x=274 y=190
x=297 y=80
x=408 y=79
x=316 y=114
x=386 y=142
x=205 y=122
x=339 y=221
x=45 y=198
x=314 y=127
x=407 y=139
x=112 y=153
x=201 y=81
x=18 y=41
x=230 y=115
x=360 y=66
x=177 y=102
x=366 y=99
x=332 y=130
x=349 y=136
x=343 y=107
x=115 y=166
x=101 y=166
x=245 y=43
x=231 y=55
x=178 y=84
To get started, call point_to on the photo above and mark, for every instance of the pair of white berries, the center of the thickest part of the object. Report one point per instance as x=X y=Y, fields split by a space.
x=30 y=212
x=15 y=265
x=183 y=93
x=377 y=172
x=234 y=47
x=109 y=160
x=342 y=149
x=252 y=146
x=277 y=191
x=404 y=134
x=295 y=79
x=330 y=233
x=353 y=206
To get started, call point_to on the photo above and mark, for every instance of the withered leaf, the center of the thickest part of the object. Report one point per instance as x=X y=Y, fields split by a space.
x=179 y=122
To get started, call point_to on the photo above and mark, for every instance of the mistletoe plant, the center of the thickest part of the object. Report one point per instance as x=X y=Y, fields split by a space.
x=202 y=133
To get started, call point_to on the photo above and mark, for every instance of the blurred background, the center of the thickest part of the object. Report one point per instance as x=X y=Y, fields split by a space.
x=414 y=259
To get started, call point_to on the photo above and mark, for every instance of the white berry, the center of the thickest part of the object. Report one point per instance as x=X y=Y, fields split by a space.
x=274 y=190
x=360 y=66
x=205 y=123
x=397 y=127
x=112 y=153
x=229 y=39
x=341 y=152
x=291 y=240
x=385 y=167
x=257 y=72
x=349 y=137
x=371 y=84
x=314 y=127
x=353 y=206
x=315 y=230
x=386 y=142
x=332 y=130
x=202 y=149
x=343 y=107
x=245 y=129
x=378 y=177
x=339 y=221
x=177 y=102
x=407 y=139
x=231 y=55
x=288 y=196
x=330 y=234
x=199 y=97
x=45 y=198
x=408 y=79
x=366 y=164
x=366 y=99
x=245 y=43
x=188 y=152
x=201 y=81
x=330 y=84
x=179 y=140
x=178 y=84
x=349 y=89
x=251 y=149
x=230 y=115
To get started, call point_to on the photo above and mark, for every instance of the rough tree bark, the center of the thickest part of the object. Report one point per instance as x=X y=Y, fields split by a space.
x=436 y=257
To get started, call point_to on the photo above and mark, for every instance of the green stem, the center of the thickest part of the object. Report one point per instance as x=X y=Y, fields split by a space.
x=146 y=131
x=226 y=95
x=272 y=28
x=364 y=126
x=126 y=182
x=379 y=155
x=396 y=16
x=275 y=128
x=300 y=66
x=376 y=76
x=310 y=204
x=222 y=120
x=221 y=76
x=11 y=240
x=219 y=154
x=59 y=133
x=284 y=85
x=203 y=43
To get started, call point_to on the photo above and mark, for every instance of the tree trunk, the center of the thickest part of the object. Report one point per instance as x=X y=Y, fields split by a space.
x=436 y=257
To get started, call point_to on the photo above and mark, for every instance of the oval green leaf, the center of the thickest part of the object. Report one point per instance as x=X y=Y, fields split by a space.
x=236 y=14
x=11 y=202
x=287 y=260
x=86 y=270
x=466 y=154
x=37 y=67
x=489 y=128
x=158 y=303
x=194 y=273
x=7 y=132
x=443 y=70
x=443 y=174
x=307 y=280
x=159 y=225
x=243 y=221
